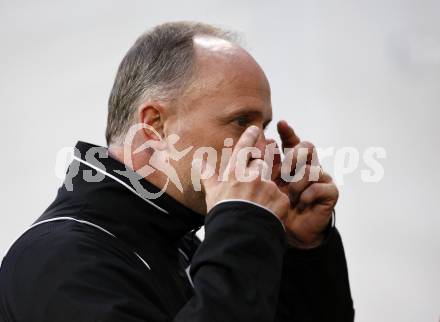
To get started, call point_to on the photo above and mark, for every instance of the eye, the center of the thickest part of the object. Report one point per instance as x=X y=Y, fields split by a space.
x=242 y=120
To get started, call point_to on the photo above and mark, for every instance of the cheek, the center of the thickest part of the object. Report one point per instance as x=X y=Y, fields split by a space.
x=207 y=149
x=201 y=138
x=193 y=136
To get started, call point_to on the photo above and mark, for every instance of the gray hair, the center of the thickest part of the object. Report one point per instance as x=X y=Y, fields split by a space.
x=158 y=66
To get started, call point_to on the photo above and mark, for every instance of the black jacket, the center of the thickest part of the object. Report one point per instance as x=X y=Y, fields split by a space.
x=101 y=252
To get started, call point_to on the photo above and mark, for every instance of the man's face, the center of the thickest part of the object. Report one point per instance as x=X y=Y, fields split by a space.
x=230 y=93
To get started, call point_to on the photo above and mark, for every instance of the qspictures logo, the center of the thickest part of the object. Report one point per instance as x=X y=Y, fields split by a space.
x=346 y=160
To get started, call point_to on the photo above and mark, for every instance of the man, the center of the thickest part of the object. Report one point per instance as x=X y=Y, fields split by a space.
x=106 y=251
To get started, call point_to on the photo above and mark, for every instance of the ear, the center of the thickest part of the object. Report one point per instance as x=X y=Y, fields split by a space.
x=152 y=114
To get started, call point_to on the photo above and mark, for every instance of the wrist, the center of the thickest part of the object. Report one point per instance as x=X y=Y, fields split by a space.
x=294 y=241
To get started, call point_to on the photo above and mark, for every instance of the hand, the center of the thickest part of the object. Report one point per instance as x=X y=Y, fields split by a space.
x=263 y=192
x=312 y=198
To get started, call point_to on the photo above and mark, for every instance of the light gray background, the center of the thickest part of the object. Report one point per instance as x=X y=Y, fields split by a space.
x=344 y=73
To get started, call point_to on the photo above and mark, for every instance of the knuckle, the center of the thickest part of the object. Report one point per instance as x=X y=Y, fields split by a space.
x=306 y=198
x=313 y=189
x=308 y=144
x=336 y=191
x=234 y=183
x=283 y=205
x=271 y=188
x=285 y=202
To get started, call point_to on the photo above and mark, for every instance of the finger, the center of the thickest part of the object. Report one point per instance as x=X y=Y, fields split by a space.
x=317 y=173
x=247 y=139
x=258 y=167
x=296 y=187
x=276 y=163
x=302 y=154
x=288 y=137
x=325 y=193
x=324 y=177
x=276 y=151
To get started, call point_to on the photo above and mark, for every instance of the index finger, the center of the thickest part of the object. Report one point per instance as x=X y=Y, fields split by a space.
x=288 y=136
x=247 y=139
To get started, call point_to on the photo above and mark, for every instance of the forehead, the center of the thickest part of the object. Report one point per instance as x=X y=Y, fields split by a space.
x=226 y=74
x=221 y=63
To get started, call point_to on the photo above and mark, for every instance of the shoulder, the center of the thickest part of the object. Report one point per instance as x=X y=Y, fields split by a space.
x=63 y=246
x=58 y=268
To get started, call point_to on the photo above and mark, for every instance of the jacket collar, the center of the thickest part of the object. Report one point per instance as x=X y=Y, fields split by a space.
x=111 y=192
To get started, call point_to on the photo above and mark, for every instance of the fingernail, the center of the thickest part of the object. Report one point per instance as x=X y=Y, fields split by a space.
x=253 y=130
